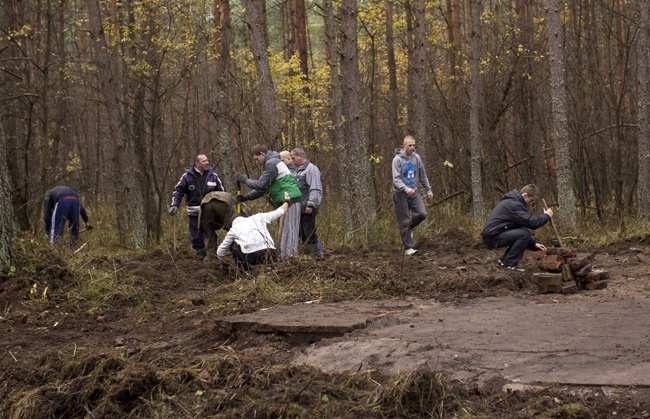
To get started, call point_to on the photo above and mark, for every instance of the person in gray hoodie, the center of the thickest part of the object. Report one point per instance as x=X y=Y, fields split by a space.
x=408 y=173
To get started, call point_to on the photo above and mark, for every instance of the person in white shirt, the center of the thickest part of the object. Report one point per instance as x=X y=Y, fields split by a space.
x=249 y=241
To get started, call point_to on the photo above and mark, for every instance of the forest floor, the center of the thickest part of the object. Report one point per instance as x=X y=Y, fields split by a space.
x=361 y=332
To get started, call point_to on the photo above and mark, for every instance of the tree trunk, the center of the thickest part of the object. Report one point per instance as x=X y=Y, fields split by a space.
x=360 y=212
x=267 y=122
x=559 y=121
x=392 y=73
x=224 y=121
x=336 y=95
x=125 y=180
x=7 y=213
x=474 y=121
x=418 y=70
x=643 y=49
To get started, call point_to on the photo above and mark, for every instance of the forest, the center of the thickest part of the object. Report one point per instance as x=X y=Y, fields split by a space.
x=116 y=97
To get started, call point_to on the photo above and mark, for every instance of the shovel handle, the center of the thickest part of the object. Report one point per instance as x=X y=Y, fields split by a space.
x=559 y=240
x=238 y=193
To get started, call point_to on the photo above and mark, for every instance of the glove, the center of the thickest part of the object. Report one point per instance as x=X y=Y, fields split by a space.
x=240 y=177
x=89 y=226
x=173 y=210
x=241 y=198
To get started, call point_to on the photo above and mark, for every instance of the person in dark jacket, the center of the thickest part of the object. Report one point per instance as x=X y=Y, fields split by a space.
x=276 y=179
x=62 y=204
x=197 y=181
x=509 y=225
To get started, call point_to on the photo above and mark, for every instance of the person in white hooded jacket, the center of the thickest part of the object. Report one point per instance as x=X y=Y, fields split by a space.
x=249 y=240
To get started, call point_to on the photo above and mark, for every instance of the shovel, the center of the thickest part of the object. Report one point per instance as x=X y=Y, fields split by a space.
x=238 y=193
x=559 y=240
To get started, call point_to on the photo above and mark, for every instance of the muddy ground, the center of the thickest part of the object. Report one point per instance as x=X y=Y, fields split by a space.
x=136 y=335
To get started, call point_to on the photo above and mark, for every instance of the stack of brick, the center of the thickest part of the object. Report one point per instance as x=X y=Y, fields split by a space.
x=566 y=271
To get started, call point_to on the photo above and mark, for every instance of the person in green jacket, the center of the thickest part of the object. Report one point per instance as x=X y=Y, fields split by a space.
x=275 y=180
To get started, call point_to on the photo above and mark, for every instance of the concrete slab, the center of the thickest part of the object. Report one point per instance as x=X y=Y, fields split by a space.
x=577 y=342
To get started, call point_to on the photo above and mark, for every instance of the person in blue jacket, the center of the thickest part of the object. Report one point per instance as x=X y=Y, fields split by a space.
x=509 y=225
x=62 y=205
x=197 y=181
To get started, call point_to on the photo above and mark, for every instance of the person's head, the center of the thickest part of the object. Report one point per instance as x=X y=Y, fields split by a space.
x=259 y=153
x=201 y=163
x=530 y=193
x=409 y=145
x=298 y=156
x=285 y=156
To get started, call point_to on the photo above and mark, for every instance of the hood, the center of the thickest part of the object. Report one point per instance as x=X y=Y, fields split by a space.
x=514 y=195
x=271 y=154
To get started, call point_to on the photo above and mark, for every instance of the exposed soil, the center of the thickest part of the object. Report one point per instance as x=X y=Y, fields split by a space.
x=152 y=348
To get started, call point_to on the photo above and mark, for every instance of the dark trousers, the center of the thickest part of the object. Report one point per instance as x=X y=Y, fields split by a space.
x=196 y=236
x=410 y=212
x=308 y=228
x=517 y=240
x=66 y=210
x=245 y=261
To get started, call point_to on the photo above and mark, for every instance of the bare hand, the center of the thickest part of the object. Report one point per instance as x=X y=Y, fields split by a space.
x=430 y=195
x=548 y=212
x=309 y=210
x=540 y=246
x=410 y=191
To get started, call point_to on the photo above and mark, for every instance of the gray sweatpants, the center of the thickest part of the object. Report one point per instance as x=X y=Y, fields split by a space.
x=290 y=232
x=410 y=212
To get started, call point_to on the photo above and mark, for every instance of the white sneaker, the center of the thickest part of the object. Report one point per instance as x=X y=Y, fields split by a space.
x=409 y=252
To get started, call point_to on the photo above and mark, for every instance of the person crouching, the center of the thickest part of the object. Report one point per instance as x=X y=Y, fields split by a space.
x=249 y=241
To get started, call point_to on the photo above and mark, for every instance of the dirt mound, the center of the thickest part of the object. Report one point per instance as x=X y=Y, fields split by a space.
x=133 y=335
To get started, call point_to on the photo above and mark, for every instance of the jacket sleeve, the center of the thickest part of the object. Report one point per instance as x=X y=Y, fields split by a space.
x=521 y=217
x=83 y=213
x=224 y=247
x=220 y=186
x=398 y=183
x=269 y=173
x=315 y=187
x=179 y=191
x=424 y=180
x=269 y=217
x=254 y=194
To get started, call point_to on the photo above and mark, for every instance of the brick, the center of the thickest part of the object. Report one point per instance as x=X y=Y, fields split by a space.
x=569 y=287
x=562 y=252
x=548 y=282
x=550 y=263
x=582 y=271
x=598 y=285
x=567 y=273
x=580 y=260
x=596 y=275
